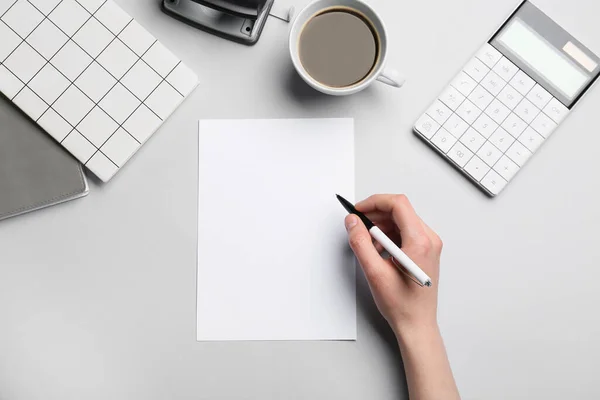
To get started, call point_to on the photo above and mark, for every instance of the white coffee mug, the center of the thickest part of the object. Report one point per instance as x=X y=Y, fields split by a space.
x=379 y=72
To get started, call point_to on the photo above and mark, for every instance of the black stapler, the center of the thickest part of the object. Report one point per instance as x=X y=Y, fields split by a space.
x=238 y=20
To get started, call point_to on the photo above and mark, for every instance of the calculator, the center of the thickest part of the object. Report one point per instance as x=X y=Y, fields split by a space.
x=509 y=98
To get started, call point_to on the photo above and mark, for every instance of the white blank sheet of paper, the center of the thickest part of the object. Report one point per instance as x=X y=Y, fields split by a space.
x=273 y=259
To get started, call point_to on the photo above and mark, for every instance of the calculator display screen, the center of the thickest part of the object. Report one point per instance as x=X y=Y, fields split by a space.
x=532 y=49
x=547 y=53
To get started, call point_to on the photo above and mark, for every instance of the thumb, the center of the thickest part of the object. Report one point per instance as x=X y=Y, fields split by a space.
x=362 y=245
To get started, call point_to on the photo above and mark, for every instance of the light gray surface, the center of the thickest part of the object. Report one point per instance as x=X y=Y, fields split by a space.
x=97 y=297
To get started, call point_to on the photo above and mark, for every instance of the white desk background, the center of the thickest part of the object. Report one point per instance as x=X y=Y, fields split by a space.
x=97 y=297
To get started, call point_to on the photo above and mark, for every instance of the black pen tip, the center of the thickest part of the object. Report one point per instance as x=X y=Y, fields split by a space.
x=351 y=210
x=347 y=205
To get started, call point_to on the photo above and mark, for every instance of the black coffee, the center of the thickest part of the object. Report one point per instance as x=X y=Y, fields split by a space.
x=338 y=47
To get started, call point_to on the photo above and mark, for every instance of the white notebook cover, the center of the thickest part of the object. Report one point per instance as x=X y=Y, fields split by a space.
x=90 y=76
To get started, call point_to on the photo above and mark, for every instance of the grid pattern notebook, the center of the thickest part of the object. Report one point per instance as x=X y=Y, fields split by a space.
x=90 y=76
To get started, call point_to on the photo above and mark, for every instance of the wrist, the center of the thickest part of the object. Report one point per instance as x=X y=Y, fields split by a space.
x=419 y=340
x=411 y=331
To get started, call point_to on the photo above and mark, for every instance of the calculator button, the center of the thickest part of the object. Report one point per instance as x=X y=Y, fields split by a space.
x=556 y=110
x=506 y=168
x=452 y=98
x=464 y=83
x=489 y=153
x=481 y=97
x=539 y=96
x=427 y=126
x=485 y=126
x=489 y=55
x=493 y=83
x=456 y=126
x=460 y=154
x=526 y=111
x=502 y=139
x=497 y=111
x=476 y=168
x=505 y=69
x=514 y=125
x=522 y=83
x=439 y=112
x=476 y=69
x=468 y=112
x=510 y=97
x=443 y=140
x=472 y=139
x=543 y=125
x=518 y=153
x=493 y=182
x=531 y=139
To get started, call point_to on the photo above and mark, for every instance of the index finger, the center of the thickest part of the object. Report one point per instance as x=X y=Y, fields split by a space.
x=399 y=207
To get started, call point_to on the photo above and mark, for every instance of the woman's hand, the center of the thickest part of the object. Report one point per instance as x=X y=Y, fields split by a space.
x=403 y=303
x=410 y=309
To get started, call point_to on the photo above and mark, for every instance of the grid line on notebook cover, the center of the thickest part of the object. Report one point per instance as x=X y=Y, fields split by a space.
x=89 y=75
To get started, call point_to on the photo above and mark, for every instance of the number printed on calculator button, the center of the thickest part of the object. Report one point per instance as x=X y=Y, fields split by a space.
x=481 y=97
x=502 y=139
x=452 y=98
x=543 y=125
x=506 y=167
x=518 y=153
x=476 y=69
x=505 y=69
x=443 y=140
x=522 y=83
x=489 y=55
x=527 y=111
x=493 y=182
x=456 y=126
x=427 y=126
x=464 y=83
x=510 y=97
x=497 y=111
x=493 y=83
x=468 y=111
x=460 y=154
x=485 y=125
x=514 y=125
x=489 y=154
x=556 y=110
x=476 y=168
x=531 y=139
x=539 y=96
x=472 y=139
x=439 y=112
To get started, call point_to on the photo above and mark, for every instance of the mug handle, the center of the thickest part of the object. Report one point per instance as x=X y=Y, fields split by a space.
x=391 y=77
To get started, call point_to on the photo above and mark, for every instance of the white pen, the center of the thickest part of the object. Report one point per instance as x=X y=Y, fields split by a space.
x=411 y=267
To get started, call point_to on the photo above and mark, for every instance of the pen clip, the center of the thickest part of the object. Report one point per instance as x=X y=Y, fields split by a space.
x=404 y=271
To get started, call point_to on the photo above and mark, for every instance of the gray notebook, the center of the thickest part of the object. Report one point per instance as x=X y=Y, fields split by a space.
x=35 y=171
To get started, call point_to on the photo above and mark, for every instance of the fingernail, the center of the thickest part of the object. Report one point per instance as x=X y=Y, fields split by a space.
x=351 y=222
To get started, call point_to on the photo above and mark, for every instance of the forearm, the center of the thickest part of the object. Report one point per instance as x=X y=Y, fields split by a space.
x=426 y=364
